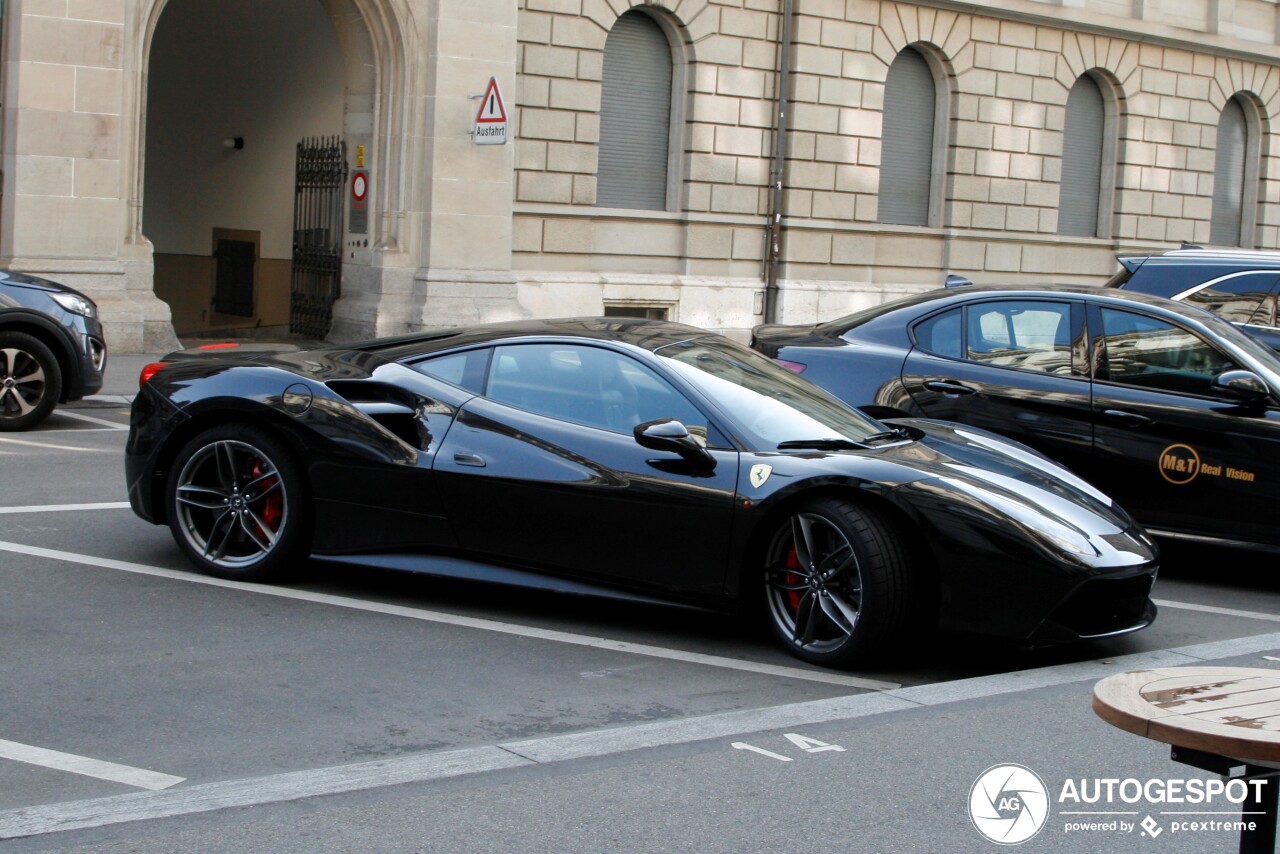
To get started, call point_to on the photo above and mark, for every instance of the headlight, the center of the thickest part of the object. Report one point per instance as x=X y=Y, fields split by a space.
x=75 y=304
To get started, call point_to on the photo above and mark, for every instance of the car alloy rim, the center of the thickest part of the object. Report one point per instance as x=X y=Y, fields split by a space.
x=22 y=382
x=231 y=503
x=813 y=583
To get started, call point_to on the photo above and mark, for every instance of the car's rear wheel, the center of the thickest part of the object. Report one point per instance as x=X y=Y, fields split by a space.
x=837 y=580
x=30 y=381
x=236 y=504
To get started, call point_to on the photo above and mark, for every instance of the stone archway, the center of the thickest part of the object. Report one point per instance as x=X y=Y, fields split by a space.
x=266 y=72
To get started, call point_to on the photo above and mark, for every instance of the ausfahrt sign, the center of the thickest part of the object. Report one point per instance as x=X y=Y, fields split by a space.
x=491 y=121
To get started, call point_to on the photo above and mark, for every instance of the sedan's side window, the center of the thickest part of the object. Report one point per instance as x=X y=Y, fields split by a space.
x=587 y=385
x=940 y=334
x=1236 y=297
x=1152 y=353
x=1032 y=335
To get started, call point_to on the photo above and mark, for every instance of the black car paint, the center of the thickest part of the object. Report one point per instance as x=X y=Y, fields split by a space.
x=26 y=305
x=1114 y=435
x=413 y=472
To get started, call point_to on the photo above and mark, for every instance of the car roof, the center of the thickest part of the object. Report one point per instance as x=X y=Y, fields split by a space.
x=942 y=297
x=1236 y=259
x=638 y=332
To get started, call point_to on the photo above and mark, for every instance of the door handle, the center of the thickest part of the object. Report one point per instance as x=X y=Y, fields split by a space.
x=1128 y=419
x=473 y=460
x=948 y=387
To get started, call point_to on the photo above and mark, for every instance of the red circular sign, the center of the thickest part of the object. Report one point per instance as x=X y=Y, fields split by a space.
x=359 y=186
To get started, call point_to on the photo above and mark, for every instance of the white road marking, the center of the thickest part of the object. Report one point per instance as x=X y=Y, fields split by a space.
x=827 y=677
x=54 y=508
x=1213 y=609
x=137 y=777
x=114 y=425
x=51 y=446
x=420 y=768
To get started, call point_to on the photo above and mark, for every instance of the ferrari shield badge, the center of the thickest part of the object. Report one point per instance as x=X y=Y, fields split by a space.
x=760 y=474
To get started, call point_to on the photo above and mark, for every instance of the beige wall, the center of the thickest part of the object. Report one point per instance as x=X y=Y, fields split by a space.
x=97 y=179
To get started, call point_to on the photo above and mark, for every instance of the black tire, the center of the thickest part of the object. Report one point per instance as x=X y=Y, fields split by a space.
x=837 y=581
x=30 y=381
x=237 y=504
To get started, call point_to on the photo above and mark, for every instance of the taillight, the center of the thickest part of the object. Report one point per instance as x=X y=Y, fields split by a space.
x=149 y=371
x=224 y=345
x=793 y=367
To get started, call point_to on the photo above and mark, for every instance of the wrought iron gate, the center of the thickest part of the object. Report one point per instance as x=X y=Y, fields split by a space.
x=321 y=178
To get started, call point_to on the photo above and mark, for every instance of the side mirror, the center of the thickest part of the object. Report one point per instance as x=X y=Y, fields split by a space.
x=1244 y=386
x=668 y=434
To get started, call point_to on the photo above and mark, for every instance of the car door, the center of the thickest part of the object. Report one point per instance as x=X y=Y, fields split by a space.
x=544 y=471
x=1173 y=452
x=1015 y=366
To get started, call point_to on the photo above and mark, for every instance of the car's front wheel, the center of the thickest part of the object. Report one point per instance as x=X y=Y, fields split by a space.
x=236 y=504
x=837 y=580
x=30 y=381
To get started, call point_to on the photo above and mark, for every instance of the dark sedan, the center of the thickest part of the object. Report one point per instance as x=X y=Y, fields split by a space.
x=1170 y=410
x=628 y=458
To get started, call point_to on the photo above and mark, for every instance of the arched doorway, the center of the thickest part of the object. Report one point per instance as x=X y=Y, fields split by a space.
x=232 y=88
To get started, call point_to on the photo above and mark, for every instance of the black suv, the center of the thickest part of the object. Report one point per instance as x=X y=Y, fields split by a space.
x=1237 y=284
x=51 y=348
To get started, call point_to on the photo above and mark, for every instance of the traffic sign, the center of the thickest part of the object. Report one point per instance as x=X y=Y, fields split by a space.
x=491 y=121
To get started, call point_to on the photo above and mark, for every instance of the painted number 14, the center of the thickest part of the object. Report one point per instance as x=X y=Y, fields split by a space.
x=808 y=745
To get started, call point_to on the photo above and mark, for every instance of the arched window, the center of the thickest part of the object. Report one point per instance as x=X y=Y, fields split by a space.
x=907 y=141
x=1083 y=135
x=1229 y=168
x=635 y=115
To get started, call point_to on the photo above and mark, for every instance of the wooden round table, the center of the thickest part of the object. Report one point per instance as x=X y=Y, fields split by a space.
x=1220 y=719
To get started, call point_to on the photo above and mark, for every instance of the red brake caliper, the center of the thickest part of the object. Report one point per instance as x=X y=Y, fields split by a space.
x=793 y=562
x=273 y=509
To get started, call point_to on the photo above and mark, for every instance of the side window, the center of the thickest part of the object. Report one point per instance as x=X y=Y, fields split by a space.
x=587 y=385
x=1031 y=335
x=1237 y=297
x=1150 y=353
x=462 y=369
x=940 y=334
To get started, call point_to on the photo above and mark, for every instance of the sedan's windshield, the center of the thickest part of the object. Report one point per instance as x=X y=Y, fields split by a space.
x=772 y=406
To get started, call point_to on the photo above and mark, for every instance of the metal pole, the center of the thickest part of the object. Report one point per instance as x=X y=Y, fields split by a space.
x=773 y=249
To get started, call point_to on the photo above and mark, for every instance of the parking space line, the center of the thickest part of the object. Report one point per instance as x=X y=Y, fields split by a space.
x=828 y=677
x=89 y=418
x=139 y=778
x=53 y=447
x=54 y=508
x=428 y=767
x=1213 y=609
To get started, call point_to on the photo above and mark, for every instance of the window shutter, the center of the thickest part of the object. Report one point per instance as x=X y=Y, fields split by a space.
x=906 y=149
x=1081 y=160
x=1228 y=177
x=635 y=115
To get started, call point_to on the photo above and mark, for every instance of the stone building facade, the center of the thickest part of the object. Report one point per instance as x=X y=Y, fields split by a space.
x=107 y=187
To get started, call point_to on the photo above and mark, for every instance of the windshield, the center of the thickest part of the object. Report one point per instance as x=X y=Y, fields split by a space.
x=768 y=403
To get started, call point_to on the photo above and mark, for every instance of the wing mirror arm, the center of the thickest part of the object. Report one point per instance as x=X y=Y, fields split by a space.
x=669 y=434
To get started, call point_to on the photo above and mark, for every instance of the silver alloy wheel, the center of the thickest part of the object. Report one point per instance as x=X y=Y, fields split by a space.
x=813 y=583
x=231 y=503
x=23 y=385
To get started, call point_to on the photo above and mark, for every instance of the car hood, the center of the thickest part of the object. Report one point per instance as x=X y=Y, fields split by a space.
x=993 y=477
x=35 y=283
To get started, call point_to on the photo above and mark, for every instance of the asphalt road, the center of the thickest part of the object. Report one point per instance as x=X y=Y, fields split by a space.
x=144 y=707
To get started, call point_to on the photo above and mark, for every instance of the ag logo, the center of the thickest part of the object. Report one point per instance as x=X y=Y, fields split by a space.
x=1179 y=464
x=1008 y=804
x=760 y=474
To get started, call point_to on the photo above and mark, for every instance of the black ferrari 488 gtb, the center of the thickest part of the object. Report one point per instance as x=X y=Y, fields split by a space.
x=628 y=458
